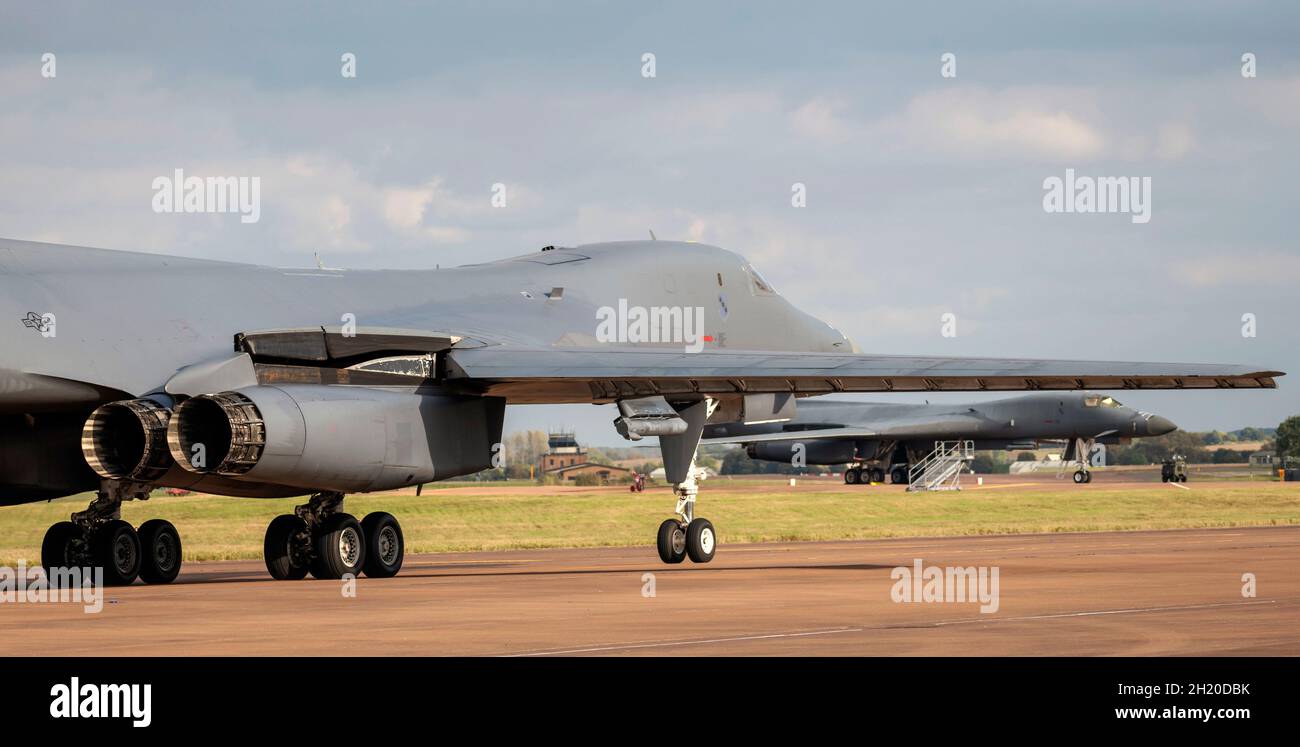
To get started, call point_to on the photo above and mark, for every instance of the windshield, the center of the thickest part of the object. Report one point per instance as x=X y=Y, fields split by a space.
x=1097 y=400
x=757 y=284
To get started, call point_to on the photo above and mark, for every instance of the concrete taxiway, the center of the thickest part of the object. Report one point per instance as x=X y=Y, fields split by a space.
x=1128 y=593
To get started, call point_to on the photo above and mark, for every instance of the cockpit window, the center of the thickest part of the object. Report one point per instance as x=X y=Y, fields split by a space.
x=757 y=284
x=1097 y=400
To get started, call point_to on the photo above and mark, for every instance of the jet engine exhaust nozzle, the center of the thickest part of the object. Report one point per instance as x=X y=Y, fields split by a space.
x=217 y=433
x=127 y=440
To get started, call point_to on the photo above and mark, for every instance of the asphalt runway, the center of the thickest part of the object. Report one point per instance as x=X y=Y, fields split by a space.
x=1121 y=593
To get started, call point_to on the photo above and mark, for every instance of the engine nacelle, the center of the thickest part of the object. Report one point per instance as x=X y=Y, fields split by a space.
x=344 y=438
x=815 y=451
x=127 y=440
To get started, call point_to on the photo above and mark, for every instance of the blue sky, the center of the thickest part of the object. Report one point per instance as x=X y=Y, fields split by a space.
x=924 y=192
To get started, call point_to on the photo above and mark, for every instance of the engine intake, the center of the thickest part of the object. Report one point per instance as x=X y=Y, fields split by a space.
x=128 y=440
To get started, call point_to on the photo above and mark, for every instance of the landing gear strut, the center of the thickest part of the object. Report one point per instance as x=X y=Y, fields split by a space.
x=319 y=538
x=97 y=537
x=1077 y=451
x=686 y=535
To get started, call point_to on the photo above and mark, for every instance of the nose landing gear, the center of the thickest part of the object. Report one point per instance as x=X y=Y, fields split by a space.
x=686 y=535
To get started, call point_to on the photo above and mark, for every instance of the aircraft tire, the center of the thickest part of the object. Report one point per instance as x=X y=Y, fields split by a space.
x=852 y=477
x=671 y=542
x=340 y=548
x=701 y=541
x=1080 y=477
x=898 y=476
x=385 y=546
x=63 y=547
x=278 y=552
x=160 y=552
x=115 y=547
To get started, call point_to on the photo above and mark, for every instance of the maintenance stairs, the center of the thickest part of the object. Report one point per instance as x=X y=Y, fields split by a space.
x=942 y=468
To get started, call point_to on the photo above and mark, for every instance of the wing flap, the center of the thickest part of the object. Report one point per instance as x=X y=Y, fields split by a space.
x=540 y=375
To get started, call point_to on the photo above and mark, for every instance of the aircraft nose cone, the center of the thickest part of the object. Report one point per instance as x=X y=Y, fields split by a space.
x=1158 y=426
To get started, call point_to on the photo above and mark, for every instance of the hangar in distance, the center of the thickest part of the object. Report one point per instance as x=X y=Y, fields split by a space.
x=122 y=372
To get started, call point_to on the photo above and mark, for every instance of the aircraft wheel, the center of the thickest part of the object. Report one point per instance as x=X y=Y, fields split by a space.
x=852 y=477
x=1080 y=477
x=160 y=547
x=1089 y=477
x=672 y=541
x=1164 y=479
x=877 y=474
x=385 y=547
x=340 y=548
x=898 y=476
x=115 y=547
x=284 y=549
x=64 y=546
x=701 y=540
x=1182 y=478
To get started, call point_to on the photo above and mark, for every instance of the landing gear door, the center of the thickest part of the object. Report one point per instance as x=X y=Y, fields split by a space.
x=767 y=408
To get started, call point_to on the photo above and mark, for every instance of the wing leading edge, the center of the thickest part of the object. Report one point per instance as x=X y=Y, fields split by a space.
x=552 y=375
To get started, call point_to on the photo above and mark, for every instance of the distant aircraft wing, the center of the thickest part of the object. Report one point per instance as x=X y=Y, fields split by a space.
x=589 y=374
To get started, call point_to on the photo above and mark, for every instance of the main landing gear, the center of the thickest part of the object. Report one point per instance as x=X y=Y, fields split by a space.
x=319 y=538
x=97 y=537
x=865 y=475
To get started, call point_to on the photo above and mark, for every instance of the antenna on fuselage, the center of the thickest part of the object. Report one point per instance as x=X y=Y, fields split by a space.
x=652 y=235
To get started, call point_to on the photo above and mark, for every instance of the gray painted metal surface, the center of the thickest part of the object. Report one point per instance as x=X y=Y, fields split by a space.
x=89 y=326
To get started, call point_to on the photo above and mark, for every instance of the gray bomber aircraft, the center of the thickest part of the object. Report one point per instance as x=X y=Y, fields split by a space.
x=877 y=438
x=123 y=372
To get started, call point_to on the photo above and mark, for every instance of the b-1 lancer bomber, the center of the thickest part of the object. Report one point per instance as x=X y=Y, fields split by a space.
x=877 y=439
x=125 y=372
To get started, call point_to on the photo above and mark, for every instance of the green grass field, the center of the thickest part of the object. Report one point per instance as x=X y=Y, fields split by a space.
x=743 y=511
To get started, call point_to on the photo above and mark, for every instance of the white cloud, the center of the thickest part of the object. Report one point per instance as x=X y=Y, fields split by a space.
x=1020 y=122
x=1242 y=269
x=1174 y=141
x=820 y=120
